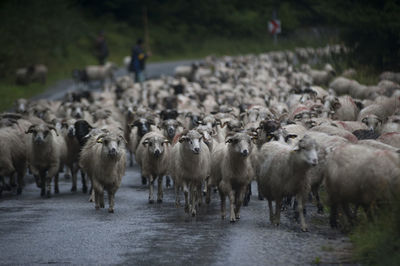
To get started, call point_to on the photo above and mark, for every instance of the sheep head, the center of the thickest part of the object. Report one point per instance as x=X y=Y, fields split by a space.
x=113 y=146
x=41 y=133
x=307 y=150
x=239 y=143
x=155 y=145
x=191 y=140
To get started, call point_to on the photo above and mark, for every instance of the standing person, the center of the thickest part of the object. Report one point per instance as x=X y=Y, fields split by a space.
x=101 y=48
x=138 y=61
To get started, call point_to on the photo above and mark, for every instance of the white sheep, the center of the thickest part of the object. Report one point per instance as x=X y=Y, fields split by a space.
x=283 y=173
x=46 y=152
x=231 y=171
x=103 y=158
x=360 y=175
x=153 y=159
x=189 y=167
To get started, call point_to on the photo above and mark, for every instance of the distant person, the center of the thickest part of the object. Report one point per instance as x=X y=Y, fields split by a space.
x=138 y=61
x=101 y=48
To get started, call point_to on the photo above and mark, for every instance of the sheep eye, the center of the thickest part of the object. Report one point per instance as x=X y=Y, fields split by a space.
x=118 y=142
x=105 y=142
x=150 y=144
x=45 y=133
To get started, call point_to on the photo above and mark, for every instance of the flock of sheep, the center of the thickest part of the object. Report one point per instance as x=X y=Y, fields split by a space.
x=218 y=126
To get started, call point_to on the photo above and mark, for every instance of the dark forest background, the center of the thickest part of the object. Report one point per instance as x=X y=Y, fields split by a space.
x=56 y=31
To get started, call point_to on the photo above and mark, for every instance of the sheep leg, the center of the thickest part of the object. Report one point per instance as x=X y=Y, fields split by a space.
x=232 y=205
x=101 y=198
x=96 y=200
x=333 y=216
x=56 y=189
x=223 y=203
x=160 y=194
x=20 y=182
x=131 y=159
x=168 y=181
x=300 y=202
x=319 y=204
x=43 y=184
x=177 y=198
x=277 y=216
x=347 y=212
x=53 y=171
x=12 y=181
x=74 y=177
x=260 y=197
x=151 y=189
x=193 y=198
x=208 y=193
x=271 y=211
x=186 y=193
x=84 y=185
x=111 y=195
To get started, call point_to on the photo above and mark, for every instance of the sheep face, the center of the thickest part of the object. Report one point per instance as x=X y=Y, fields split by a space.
x=308 y=150
x=169 y=114
x=192 y=141
x=112 y=146
x=82 y=129
x=372 y=121
x=143 y=126
x=206 y=131
x=21 y=105
x=155 y=145
x=41 y=133
x=170 y=127
x=240 y=143
x=69 y=128
x=76 y=111
x=209 y=121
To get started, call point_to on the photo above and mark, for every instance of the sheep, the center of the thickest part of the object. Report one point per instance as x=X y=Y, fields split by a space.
x=360 y=175
x=189 y=166
x=333 y=130
x=30 y=74
x=93 y=73
x=283 y=173
x=46 y=152
x=392 y=138
x=103 y=158
x=153 y=159
x=73 y=149
x=322 y=77
x=13 y=156
x=231 y=171
x=348 y=109
x=392 y=76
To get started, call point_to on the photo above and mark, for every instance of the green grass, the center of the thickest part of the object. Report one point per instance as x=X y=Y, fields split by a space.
x=378 y=242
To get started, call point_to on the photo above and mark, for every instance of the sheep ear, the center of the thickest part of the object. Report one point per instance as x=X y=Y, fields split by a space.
x=100 y=139
x=53 y=128
x=290 y=136
x=30 y=129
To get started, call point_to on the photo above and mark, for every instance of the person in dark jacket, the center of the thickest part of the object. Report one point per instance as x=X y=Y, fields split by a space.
x=138 y=61
x=101 y=48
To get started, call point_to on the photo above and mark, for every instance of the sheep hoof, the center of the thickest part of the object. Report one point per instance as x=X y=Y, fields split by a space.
x=305 y=229
x=193 y=213
x=84 y=190
x=19 y=191
x=223 y=217
x=102 y=205
x=159 y=201
x=111 y=210
x=237 y=217
x=232 y=221
x=151 y=201
x=73 y=189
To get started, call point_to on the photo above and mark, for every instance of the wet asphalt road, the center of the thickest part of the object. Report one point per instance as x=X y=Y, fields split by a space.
x=66 y=229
